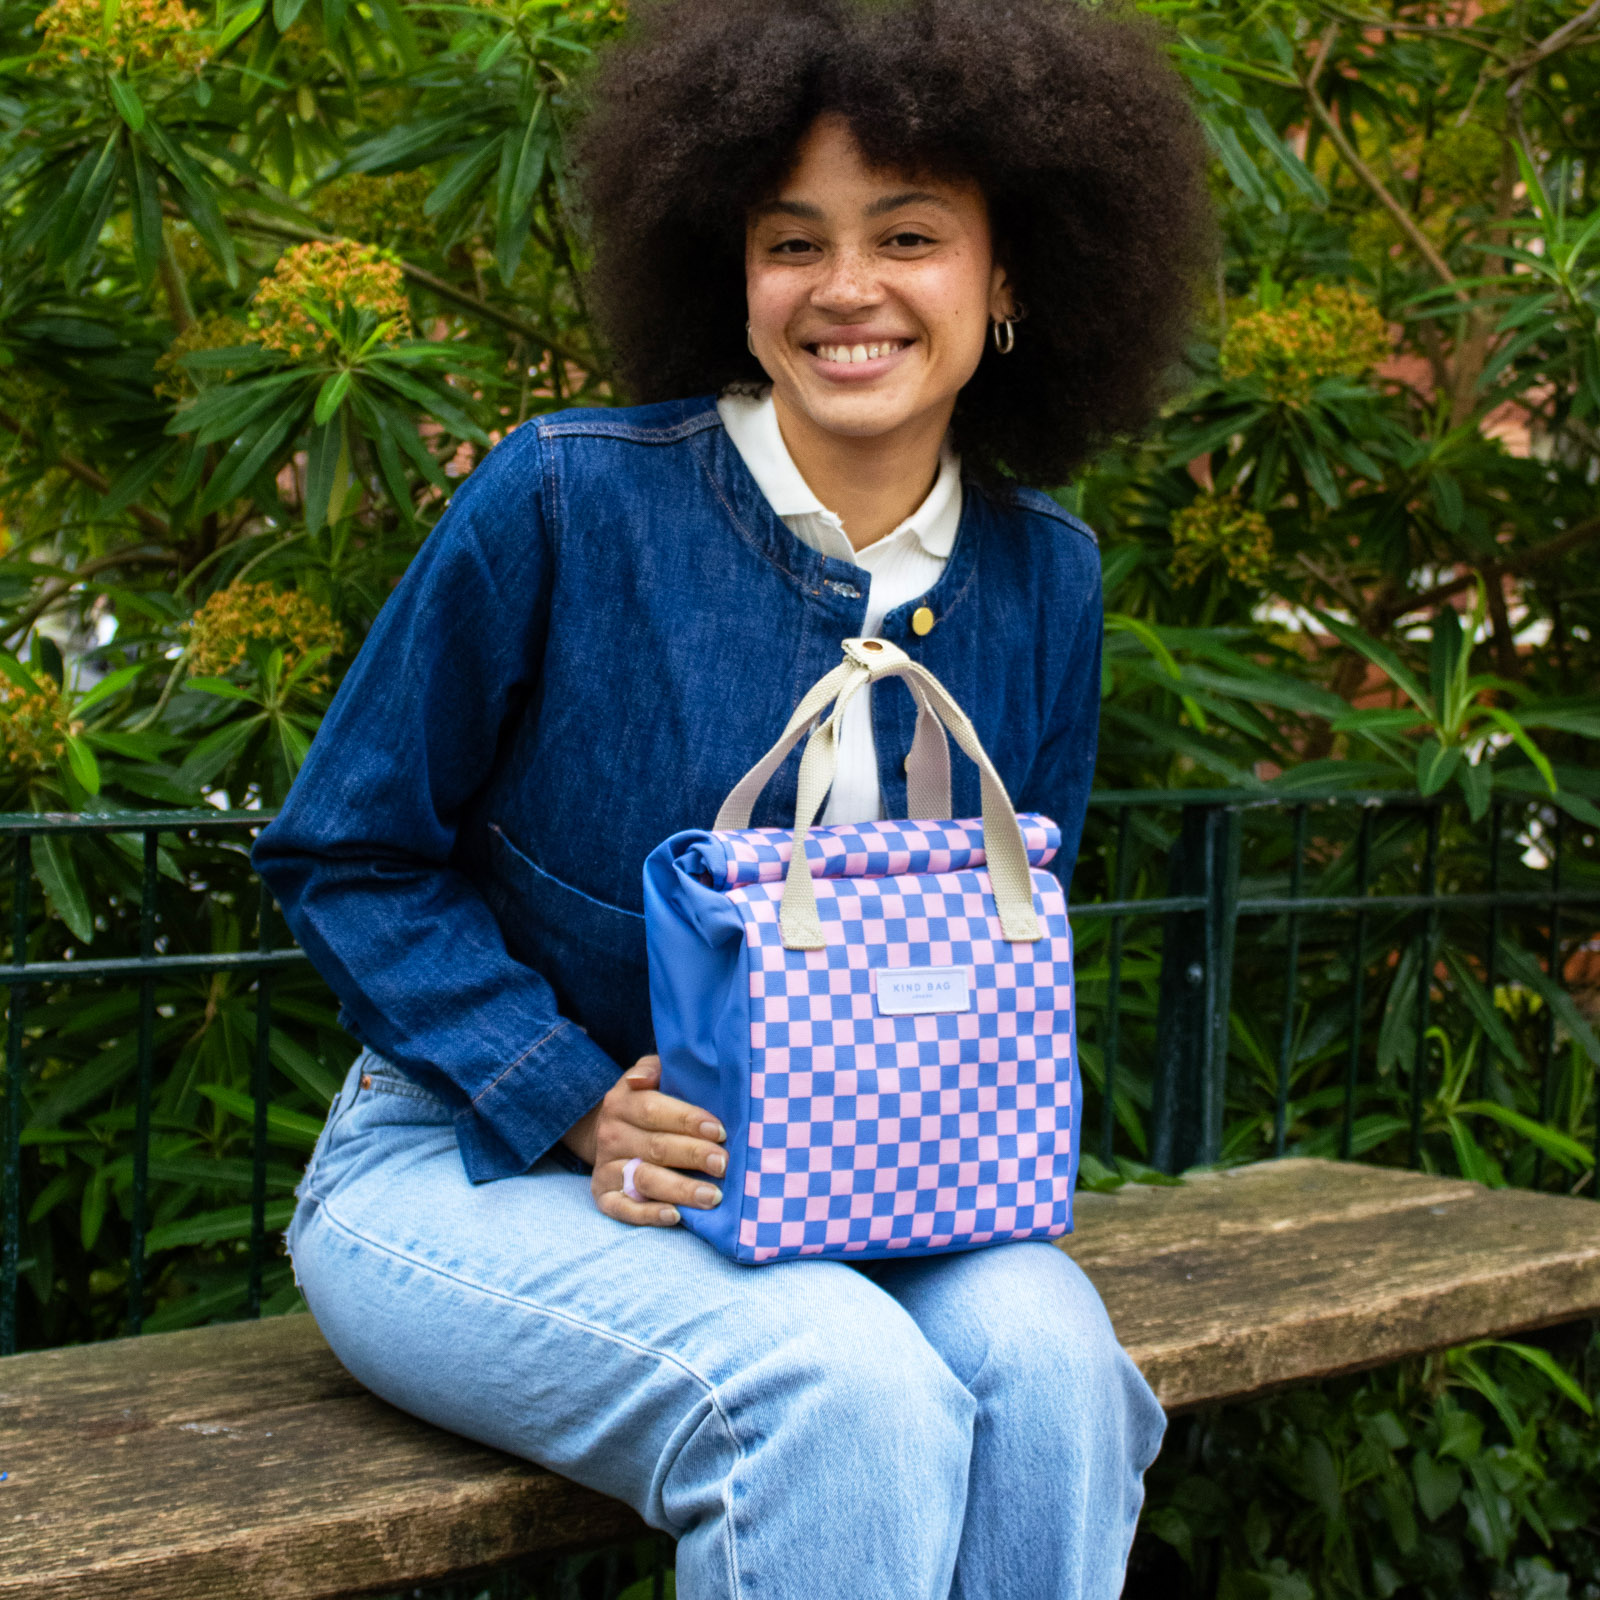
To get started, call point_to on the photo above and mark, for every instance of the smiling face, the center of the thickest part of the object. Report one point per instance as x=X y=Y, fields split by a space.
x=870 y=293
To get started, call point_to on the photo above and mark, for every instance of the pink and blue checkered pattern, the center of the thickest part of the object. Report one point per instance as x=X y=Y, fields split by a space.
x=873 y=1133
x=868 y=849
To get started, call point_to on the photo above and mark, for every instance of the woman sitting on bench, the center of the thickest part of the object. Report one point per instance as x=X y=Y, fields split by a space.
x=877 y=266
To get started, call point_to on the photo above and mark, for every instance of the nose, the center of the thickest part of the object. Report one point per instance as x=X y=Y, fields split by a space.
x=850 y=284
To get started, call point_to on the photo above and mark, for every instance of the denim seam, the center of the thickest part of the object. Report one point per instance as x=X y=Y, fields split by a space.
x=747 y=538
x=608 y=1334
x=543 y=1038
x=388 y=1083
x=561 y=883
x=600 y=428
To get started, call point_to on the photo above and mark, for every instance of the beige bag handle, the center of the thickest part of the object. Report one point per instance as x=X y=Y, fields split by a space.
x=867 y=660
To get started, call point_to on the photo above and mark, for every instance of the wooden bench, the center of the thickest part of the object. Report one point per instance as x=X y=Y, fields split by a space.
x=240 y=1461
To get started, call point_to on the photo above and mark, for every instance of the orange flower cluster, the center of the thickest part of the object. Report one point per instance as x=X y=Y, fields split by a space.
x=33 y=727
x=221 y=631
x=214 y=331
x=1217 y=526
x=1320 y=332
x=328 y=277
x=381 y=209
x=145 y=34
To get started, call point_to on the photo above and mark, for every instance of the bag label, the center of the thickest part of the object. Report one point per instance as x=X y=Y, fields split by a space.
x=915 y=991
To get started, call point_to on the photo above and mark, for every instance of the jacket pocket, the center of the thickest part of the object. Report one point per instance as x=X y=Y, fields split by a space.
x=590 y=952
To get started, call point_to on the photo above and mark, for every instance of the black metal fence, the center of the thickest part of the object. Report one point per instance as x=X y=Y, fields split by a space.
x=1257 y=974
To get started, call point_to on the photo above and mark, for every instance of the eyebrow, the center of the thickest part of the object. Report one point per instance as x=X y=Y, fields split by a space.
x=879 y=208
x=893 y=202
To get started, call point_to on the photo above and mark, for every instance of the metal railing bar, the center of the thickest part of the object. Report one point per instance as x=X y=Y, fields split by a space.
x=205 y=817
x=132 y=966
x=1255 y=799
x=1108 y=1118
x=1496 y=817
x=1133 y=908
x=1358 y=969
x=1547 y=1077
x=1277 y=905
x=1470 y=900
x=11 y=1244
x=146 y=1068
x=1430 y=939
x=1291 y=981
x=260 y=1089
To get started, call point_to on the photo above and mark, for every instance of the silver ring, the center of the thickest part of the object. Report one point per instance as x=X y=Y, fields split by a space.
x=629 y=1169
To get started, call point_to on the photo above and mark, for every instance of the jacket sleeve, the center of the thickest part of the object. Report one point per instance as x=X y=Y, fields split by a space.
x=360 y=858
x=1059 y=781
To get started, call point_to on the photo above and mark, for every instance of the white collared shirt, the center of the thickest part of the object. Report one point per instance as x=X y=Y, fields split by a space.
x=896 y=568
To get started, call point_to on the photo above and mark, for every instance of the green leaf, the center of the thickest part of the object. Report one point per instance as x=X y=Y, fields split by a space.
x=213 y=754
x=1382 y=657
x=330 y=397
x=1477 y=784
x=239 y=23
x=1519 y=737
x=80 y=758
x=288 y=1127
x=285 y=13
x=1572 y=1154
x=1543 y=1361
x=145 y=216
x=297 y=1063
x=58 y=873
x=322 y=461
x=140 y=475
x=1483 y=1009
x=1438 y=1484
x=112 y=684
x=215 y=1227
x=1435 y=765
x=1519 y=964
x=129 y=107
x=465 y=174
x=223 y=688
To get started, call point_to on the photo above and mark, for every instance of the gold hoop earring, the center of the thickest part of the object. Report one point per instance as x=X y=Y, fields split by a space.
x=750 y=343
x=1004 y=341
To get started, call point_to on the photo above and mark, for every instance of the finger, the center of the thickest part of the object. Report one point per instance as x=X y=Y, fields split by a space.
x=640 y=1213
x=645 y=1073
x=678 y=1150
x=665 y=1113
x=665 y=1185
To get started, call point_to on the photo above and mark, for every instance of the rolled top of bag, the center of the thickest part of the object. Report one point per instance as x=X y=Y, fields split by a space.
x=730 y=857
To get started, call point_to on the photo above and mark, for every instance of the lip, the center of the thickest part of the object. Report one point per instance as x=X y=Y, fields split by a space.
x=856 y=371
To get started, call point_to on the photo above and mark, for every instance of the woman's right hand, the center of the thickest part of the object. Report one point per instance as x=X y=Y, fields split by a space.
x=671 y=1138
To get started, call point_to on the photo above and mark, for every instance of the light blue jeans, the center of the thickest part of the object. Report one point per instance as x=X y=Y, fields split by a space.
x=961 y=1425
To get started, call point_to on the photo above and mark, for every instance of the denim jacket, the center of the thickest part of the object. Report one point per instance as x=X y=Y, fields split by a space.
x=605 y=630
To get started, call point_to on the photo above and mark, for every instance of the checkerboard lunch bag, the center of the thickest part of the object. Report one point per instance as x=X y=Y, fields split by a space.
x=888 y=1037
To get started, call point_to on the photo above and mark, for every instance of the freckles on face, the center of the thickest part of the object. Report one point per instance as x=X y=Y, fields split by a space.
x=869 y=292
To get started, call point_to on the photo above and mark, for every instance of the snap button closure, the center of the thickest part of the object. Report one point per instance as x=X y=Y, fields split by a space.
x=922 y=622
x=366 y=1080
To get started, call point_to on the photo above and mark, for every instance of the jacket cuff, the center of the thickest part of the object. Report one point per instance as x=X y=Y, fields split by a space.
x=520 y=1115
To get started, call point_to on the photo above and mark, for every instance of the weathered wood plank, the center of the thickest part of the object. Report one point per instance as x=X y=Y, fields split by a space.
x=1372 y=1268
x=238 y=1462
x=243 y=1461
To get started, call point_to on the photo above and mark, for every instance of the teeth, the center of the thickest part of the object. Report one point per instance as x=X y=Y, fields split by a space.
x=849 y=354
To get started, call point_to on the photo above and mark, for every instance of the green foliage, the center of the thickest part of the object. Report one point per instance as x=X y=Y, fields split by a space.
x=1472 y=1473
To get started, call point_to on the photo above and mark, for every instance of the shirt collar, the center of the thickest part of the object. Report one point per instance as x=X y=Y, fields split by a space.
x=752 y=425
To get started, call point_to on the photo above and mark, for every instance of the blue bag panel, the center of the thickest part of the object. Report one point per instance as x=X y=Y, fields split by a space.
x=700 y=1002
x=732 y=857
